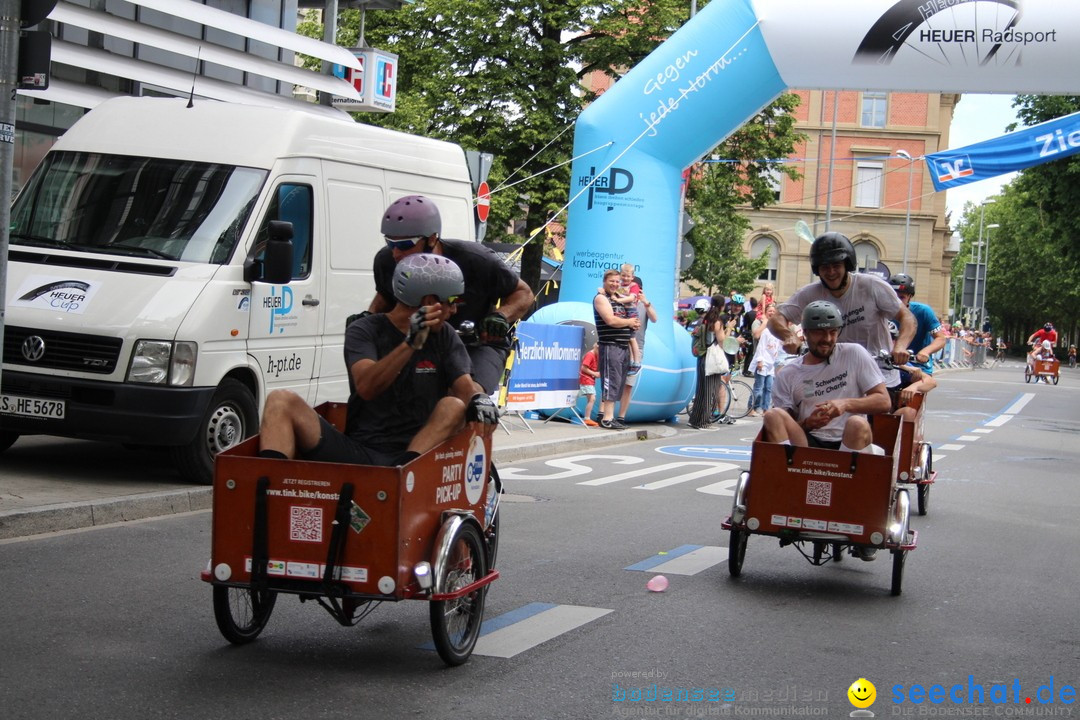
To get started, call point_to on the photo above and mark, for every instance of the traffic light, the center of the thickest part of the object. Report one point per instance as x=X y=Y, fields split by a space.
x=31 y=12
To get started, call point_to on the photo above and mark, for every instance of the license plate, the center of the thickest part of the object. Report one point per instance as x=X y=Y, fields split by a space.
x=32 y=407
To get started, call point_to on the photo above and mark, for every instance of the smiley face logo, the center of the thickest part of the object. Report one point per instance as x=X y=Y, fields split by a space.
x=862 y=693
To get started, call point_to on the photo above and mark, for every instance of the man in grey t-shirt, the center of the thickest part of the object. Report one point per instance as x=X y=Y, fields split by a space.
x=821 y=399
x=866 y=303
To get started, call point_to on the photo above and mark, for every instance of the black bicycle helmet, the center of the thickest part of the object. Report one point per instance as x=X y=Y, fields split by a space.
x=411 y=216
x=902 y=283
x=417 y=276
x=1048 y=327
x=821 y=315
x=830 y=248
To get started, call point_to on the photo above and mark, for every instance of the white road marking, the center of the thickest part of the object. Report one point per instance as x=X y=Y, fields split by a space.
x=693 y=562
x=570 y=465
x=649 y=471
x=675 y=480
x=506 y=642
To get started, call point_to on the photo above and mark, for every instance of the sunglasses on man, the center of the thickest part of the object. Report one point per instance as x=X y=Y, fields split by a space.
x=407 y=243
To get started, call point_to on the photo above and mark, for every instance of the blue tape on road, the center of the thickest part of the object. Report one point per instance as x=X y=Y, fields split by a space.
x=661 y=559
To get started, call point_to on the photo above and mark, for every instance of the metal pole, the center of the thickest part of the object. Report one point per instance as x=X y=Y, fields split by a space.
x=330 y=14
x=832 y=161
x=9 y=68
x=978 y=265
x=907 y=221
x=986 y=271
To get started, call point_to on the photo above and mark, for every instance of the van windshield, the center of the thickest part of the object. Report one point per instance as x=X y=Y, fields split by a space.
x=138 y=206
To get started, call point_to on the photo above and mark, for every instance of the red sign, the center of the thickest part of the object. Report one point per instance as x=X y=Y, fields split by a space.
x=483 y=202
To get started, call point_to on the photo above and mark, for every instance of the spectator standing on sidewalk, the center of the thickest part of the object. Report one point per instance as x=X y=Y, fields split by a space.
x=587 y=383
x=708 y=392
x=614 y=330
x=646 y=313
x=766 y=351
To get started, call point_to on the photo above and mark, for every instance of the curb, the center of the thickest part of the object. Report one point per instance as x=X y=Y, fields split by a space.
x=82 y=515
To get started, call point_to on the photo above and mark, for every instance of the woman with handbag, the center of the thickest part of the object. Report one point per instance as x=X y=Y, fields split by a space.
x=708 y=337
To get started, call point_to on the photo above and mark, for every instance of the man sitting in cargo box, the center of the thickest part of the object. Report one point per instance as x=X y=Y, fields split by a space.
x=408 y=376
x=495 y=297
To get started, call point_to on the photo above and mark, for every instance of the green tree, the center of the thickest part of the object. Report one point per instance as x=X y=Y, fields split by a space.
x=508 y=78
x=1033 y=272
x=738 y=176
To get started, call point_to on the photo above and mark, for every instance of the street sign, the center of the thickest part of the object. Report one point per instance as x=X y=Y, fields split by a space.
x=483 y=202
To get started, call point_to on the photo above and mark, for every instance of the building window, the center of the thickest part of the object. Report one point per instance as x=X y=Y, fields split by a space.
x=874 y=105
x=775 y=178
x=868 y=176
x=761 y=246
x=866 y=256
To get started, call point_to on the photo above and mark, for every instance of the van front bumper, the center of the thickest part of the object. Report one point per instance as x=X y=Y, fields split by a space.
x=117 y=412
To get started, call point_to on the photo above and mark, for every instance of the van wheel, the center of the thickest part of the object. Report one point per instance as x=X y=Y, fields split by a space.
x=232 y=417
x=7 y=439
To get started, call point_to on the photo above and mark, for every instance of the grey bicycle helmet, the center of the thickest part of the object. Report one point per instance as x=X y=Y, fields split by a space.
x=821 y=315
x=902 y=283
x=830 y=248
x=417 y=276
x=412 y=216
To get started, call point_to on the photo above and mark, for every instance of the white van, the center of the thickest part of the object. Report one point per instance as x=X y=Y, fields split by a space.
x=137 y=310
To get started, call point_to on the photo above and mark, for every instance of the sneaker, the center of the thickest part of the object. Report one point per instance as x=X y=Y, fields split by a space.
x=589 y=422
x=620 y=420
x=612 y=425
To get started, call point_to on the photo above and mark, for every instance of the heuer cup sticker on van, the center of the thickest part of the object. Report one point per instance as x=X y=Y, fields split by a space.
x=274 y=303
x=474 y=470
x=58 y=294
x=780 y=520
x=809 y=524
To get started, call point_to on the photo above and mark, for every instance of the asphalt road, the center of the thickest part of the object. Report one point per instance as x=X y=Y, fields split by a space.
x=114 y=622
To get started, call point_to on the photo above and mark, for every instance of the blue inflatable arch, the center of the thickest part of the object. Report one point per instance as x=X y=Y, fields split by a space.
x=729 y=61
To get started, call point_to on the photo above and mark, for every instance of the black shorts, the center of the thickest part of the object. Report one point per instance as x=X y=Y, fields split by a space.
x=815 y=442
x=488 y=365
x=337 y=447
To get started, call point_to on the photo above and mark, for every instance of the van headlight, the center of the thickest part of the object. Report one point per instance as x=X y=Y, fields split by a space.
x=163 y=362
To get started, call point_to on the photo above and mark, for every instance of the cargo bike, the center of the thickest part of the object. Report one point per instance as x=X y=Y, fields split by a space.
x=824 y=502
x=1045 y=370
x=351 y=537
x=916 y=463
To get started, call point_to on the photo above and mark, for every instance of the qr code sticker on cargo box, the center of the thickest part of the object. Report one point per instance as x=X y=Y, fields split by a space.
x=305 y=524
x=818 y=493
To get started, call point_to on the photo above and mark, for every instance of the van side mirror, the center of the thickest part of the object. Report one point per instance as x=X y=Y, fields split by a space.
x=278 y=266
x=277 y=261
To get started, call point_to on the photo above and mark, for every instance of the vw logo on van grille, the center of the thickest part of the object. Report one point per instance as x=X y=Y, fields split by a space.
x=33 y=348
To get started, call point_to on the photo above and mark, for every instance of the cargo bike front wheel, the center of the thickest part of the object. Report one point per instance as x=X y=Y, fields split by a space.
x=460 y=560
x=242 y=613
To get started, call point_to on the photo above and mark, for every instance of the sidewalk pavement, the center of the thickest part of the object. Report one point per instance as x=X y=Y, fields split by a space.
x=52 y=484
